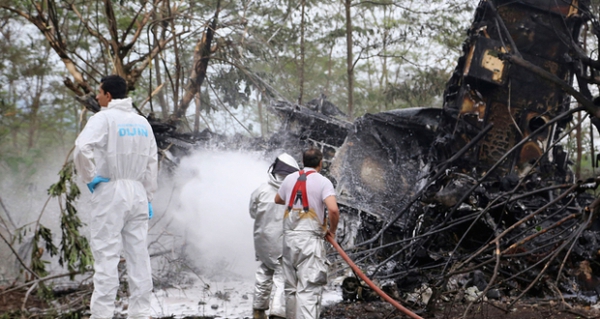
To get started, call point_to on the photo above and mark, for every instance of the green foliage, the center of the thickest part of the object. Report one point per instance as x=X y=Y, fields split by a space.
x=74 y=248
x=38 y=265
x=45 y=292
x=419 y=90
x=24 y=162
x=587 y=169
x=233 y=85
x=75 y=252
x=258 y=50
x=35 y=117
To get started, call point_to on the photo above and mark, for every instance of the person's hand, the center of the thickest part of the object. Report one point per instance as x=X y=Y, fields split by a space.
x=94 y=183
x=150 y=211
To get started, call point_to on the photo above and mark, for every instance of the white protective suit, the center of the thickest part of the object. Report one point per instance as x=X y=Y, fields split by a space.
x=305 y=263
x=268 y=237
x=119 y=144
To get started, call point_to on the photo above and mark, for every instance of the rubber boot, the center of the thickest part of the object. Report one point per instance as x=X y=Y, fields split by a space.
x=259 y=314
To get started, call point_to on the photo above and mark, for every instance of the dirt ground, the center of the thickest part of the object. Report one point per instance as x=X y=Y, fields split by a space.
x=487 y=310
x=69 y=305
x=12 y=303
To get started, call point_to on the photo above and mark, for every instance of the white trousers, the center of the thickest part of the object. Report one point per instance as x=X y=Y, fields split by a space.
x=269 y=282
x=305 y=264
x=120 y=221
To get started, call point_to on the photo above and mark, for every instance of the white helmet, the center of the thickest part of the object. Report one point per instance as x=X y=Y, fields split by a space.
x=284 y=164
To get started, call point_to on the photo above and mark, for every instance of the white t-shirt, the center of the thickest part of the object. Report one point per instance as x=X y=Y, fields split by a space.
x=318 y=188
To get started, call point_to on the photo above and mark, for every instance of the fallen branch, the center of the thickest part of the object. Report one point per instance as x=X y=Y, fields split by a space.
x=37 y=281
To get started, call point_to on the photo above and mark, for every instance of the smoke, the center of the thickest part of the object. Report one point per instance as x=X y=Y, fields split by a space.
x=211 y=195
x=24 y=183
x=203 y=205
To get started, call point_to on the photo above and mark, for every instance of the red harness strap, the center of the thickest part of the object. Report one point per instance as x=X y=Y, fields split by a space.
x=298 y=191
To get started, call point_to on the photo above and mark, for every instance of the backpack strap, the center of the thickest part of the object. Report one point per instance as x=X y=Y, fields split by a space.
x=299 y=191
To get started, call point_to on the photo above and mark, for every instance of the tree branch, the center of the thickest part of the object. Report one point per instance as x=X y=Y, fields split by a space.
x=87 y=26
x=202 y=54
x=21 y=261
x=58 y=47
x=140 y=27
x=112 y=24
x=146 y=59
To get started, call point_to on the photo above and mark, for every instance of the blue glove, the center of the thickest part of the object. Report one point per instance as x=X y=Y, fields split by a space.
x=150 y=211
x=97 y=180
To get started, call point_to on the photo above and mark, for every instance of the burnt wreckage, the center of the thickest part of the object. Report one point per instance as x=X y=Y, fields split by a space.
x=479 y=192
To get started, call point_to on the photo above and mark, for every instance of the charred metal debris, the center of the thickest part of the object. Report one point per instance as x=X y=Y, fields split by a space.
x=478 y=194
x=473 y=200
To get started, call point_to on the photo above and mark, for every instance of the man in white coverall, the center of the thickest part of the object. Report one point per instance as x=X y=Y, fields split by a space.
x=306 y=194
x=268 y=237
x=116 y=156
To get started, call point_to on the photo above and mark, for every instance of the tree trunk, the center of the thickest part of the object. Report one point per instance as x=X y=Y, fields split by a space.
x=302 y=54
x=177 y=109
x=593 y=151
x=35 y=107
x=261 y=119
x=578 y=130
x=384 y=72
x=579 y=148
x=349 y=60
x=162 y=102
x=197 y=114
x=329 y=66
x=14 y=125
x=202 y=53
x=158 y=37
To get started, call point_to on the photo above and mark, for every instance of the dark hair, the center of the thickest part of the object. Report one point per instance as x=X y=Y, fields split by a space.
x=312 y=157
x=115 y=85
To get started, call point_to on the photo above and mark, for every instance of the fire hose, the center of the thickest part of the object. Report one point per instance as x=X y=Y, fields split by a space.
x=368 y=281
